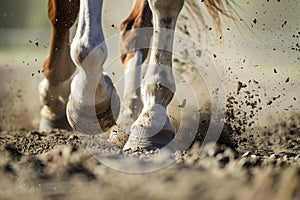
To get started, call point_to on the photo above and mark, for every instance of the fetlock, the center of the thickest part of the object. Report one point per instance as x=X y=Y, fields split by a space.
x=93 y=118
x=54 y=100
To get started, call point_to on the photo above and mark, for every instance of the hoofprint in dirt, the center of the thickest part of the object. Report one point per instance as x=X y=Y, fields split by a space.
x=36 y=165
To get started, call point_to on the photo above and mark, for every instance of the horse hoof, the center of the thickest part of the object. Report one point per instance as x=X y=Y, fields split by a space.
x=129 y=111
x=94 y=119
x=121 y=131
x=143 y=139
x=47 y=125
x=118 y=136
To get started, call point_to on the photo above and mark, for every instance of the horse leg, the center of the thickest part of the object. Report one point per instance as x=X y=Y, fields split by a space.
x=134 y=42
x=89 y=106
x=152 y=129
x=58 y=67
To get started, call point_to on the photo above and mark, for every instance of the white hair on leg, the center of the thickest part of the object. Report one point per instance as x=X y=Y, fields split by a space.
x=91 y=91
x=152 y=129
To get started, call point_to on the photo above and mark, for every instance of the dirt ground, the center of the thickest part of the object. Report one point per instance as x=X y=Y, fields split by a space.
x=248 y=163
x=261 y=163
x=36 y=165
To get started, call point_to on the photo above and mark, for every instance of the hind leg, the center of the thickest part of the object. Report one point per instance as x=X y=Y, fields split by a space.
x=136 y=32
x=58 y=67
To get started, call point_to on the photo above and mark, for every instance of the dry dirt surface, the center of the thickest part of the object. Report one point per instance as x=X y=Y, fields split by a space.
x=56 y=165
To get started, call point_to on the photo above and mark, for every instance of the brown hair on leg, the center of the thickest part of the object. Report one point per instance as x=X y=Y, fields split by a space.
x=54 y=90
x=58 y=67
x=140 y=16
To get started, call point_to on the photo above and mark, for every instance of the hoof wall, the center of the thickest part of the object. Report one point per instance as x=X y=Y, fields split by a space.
x=137 y=141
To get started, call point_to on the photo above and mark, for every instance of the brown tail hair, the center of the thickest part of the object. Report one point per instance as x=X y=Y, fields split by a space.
x=216 y=9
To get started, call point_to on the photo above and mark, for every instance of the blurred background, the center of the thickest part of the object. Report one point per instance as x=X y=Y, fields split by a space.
x=264 y=46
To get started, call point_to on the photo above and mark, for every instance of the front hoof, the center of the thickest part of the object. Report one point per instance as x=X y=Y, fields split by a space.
x=94 y=119
x=85 y=119
x=143 y=139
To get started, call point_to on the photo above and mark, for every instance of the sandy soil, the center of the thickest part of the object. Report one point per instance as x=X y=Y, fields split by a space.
x=248 y=163
x=251 y=162
x=36 y=165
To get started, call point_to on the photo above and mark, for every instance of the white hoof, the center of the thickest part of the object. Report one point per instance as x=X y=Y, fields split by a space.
x=152 y=130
